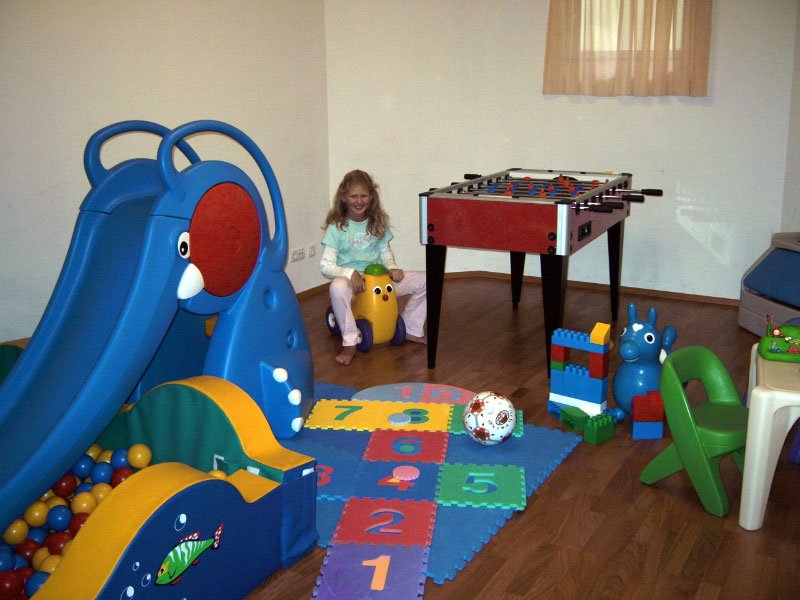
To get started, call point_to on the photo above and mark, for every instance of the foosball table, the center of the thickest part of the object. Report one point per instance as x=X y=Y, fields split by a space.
x=526 y=211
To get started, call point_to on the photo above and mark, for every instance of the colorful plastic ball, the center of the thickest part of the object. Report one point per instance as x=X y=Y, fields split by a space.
x=36 y=514
x=77 y=522
x=94 y=451
x=105 y=456
x=85 y=502
x=50 y=563
x=20 y=561
x=218 y=474
x=25 y=573
x=39 y=556
x=58 y=518
x=65 y=486
x=56 y=540
x=120 y=475
x=489 y=418
x=139 y=456
x=54 y=501
x=119 y=458
x=6 y=561
x=47 y=495
x=16 y=532
x=102 y=472
x=11 y=585
x=35 y=581
x=101 y=491
x=37 y=534
x=86 y=486
x=83 y=466
x=28 y=548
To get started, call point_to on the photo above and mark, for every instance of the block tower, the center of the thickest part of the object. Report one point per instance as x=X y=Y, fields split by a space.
x=648 y=416
x=576 y=385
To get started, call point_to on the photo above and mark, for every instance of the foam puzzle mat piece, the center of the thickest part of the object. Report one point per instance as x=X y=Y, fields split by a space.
x=491 y=486
x=335 y=476
x=328 y=513
x=323 y=389
x=378 y=480
x=539 y=451
x=460 y=533
x=368 y=415
x=353 y=571
x=325 y=442
x=386 y=521
x=407 y=446
x=416 y=392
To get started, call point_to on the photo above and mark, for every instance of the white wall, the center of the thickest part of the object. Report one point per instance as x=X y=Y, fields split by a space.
x=420 y=93
x=790 y=220
x=69 y=68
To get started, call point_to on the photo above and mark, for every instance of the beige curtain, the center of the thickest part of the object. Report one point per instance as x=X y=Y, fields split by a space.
x=628 y=47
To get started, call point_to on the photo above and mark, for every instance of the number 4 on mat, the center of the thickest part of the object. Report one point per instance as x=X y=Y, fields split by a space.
x=381 y=565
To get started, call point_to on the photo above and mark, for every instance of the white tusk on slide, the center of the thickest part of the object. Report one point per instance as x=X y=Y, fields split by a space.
x=191 y=283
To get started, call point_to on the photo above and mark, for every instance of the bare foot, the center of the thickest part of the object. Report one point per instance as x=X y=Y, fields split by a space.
x=417 y=340
x=345 y=357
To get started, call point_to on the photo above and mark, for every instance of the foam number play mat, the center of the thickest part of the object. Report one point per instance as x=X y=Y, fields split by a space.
x=398 y=478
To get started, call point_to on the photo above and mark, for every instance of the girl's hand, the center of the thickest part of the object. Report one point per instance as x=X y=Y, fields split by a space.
x=358 y=282
x=396 y=274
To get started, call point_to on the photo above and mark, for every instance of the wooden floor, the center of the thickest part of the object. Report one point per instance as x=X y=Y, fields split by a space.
x=591 y=530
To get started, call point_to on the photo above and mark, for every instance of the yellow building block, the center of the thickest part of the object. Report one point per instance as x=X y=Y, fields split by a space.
x=601 y=334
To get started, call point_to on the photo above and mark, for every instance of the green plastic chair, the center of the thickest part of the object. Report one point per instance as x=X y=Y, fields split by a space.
x=701 y=435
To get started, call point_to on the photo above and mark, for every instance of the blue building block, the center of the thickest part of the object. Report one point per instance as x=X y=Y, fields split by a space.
x=574 y=382
x=647 y=430
x=577 y=340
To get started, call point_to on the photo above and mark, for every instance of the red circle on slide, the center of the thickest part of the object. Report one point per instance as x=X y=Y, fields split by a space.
x=225 y=237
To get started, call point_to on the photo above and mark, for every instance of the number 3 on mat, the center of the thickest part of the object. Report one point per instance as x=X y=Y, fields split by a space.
x=381 y=565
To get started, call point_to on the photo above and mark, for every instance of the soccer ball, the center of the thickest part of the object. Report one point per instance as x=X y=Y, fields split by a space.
x=489 y=418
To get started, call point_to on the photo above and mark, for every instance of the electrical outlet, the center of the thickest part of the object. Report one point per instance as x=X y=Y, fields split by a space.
x=311 y=250
x=298 y=254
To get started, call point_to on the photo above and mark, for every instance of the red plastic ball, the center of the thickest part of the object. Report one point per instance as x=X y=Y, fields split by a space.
x=76 y=522
x=27 y=548
x=120 y=475
x=25 y=572
x=11 y=585
x=55 y=541
x=65 y=486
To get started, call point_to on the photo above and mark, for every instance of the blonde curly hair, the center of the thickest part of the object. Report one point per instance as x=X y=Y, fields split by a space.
x=377 y=219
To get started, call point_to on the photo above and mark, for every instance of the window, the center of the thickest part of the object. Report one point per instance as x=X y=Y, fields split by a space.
x=628 y=47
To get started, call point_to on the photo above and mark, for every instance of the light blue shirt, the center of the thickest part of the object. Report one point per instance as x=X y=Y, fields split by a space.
x=356 y=248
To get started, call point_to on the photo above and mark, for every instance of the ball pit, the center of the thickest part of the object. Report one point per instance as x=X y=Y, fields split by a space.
x=33 y=545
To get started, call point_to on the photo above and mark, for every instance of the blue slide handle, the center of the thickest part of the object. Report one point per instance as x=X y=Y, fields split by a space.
x=94 y=168
x=278 y=246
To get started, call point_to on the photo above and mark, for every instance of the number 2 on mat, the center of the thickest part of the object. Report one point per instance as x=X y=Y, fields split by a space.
x=381 y=565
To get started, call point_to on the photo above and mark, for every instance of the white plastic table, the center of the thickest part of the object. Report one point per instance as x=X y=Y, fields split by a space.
x=774 y=405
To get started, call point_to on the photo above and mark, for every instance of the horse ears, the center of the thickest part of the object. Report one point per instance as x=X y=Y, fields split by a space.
x=631 y=312
x=651 y=316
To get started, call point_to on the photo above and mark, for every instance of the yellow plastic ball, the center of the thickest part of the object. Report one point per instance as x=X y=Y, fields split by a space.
x=94 y=451
x=55 y=501
x=85 y=502
x=36 y=514
x=139 y=456
x=101 y=491
x=16 y=532
x=39 y=556
x=50 y=563
x=218 y=474
x=105 y=456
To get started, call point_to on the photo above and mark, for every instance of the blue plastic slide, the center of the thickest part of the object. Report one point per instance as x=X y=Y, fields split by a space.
x=129 y=292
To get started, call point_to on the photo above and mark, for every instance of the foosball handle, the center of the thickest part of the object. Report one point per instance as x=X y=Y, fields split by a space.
x=652 y=192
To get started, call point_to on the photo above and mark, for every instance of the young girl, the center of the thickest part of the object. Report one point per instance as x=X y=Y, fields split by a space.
x=356 y=235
